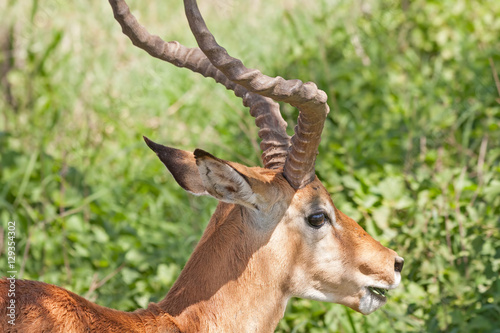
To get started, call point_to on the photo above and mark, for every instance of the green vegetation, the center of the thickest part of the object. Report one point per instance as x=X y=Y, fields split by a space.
x=411 y=149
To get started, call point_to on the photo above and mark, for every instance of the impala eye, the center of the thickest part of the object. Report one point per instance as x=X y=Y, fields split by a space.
x=317 y=220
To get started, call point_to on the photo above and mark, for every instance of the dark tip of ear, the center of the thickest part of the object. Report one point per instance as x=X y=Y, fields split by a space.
x=153 y=145
x=200 y=153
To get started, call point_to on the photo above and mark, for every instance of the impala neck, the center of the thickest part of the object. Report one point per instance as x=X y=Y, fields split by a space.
x=231 y=282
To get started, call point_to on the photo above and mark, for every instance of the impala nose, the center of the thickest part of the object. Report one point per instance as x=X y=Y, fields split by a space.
x=398 y=264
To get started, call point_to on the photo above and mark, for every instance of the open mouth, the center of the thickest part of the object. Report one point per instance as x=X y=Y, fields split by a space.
x=373 y=299
x=378 y=291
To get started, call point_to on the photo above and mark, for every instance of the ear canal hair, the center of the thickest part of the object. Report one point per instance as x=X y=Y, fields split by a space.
x=224 y=182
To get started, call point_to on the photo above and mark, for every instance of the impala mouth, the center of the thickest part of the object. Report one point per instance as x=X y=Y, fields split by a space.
x=373 y=299
x=380 y=292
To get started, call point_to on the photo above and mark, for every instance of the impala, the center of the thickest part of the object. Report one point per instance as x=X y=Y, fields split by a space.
x=275 y=233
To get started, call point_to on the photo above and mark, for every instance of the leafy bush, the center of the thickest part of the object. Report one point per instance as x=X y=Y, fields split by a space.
x=411 y=148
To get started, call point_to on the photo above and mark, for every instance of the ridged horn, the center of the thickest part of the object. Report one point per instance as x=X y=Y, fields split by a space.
x=311 y=101
x=275 y=140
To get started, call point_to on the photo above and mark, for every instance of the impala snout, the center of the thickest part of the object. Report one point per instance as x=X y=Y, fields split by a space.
x=378 y=283
x=377 y=268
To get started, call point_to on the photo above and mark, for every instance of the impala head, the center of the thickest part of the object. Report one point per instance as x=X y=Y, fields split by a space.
x=286 y=212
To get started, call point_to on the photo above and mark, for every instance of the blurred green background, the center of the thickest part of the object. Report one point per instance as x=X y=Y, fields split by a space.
x=411 y=148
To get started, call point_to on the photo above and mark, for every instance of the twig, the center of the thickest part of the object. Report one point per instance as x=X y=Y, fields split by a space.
x=62 y=189
x=246 y=127
x=409 y=161
x=448 y=235
x=439 y=160
x=86 y=202
x=441 y=208
x=95 y=284
x=181 y=101
x=495 y=76
x=482 y=156
x=480 y=165
x=458 y=193
x=7 y=65
x=25 y=254
x=452 y=141
x=359 y=49
x=1 y=240
x=423 y=149
x=29 y=229
x=356 y=43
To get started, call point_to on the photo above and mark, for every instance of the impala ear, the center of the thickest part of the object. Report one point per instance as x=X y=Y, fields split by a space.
x=224 y=182
x=204 y=174
x=182 y=165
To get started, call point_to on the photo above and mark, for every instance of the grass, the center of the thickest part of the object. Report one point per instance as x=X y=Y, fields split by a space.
x=410 y=149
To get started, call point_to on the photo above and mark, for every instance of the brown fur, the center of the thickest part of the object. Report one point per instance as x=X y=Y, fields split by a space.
x=42 y=307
